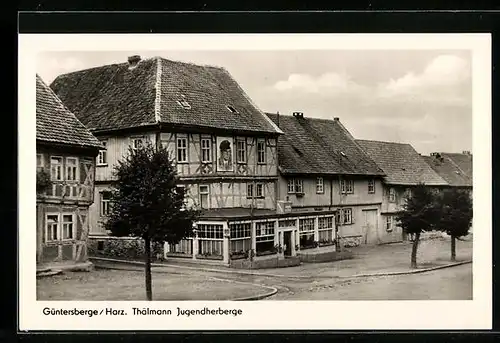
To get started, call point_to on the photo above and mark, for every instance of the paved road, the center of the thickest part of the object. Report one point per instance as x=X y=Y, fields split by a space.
x=446 y=284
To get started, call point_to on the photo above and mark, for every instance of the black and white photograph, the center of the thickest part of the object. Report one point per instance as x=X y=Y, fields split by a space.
x=277 y=174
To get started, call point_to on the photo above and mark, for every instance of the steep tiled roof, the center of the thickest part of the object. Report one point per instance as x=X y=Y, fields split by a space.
x=116 y=96
x=450 y=171
x=401 y=163
x=319 y=146
x=56 y=124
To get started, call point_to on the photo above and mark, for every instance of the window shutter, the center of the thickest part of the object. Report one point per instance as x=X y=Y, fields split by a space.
x=352 y=216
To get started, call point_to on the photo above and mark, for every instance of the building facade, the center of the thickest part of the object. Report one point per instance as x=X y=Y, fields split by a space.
x=66 y=153
x=404 y=168
x=224 y=148
x=323 y=169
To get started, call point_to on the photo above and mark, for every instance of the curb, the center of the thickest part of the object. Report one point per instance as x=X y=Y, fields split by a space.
x=416 y=271
x=285 y=276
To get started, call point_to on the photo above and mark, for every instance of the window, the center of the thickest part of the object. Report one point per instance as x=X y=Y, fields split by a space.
x=56 y=168
x=261 y=152
x=210 y=231
x=206 y=155
x=71 y=168
x=102 y=158
x=241 y=151
x=347 y=216
x=319 y=185
x=249 y=190
x=371 y=186
x=232 y=109
x=346 y=186
x=181 y=150
x=52 y=229
x=408 y=193
x=299 y=186
x=388 y=223
x=392 y=195
x=203 y=190
x=240 y=237
x=288 y=223
x=67 y=226
x=325 y=229
x=105 y=201
x=306 y=233
x=260 y=190
x=184 y=103
x=264 y=236
x=137 y=143
x=291 y=185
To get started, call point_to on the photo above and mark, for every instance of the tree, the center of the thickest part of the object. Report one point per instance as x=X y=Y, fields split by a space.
x=146 y=202
x=456 y=215
x=419 y=214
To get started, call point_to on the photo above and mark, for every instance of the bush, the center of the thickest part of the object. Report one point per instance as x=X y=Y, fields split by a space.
x=42 y=181
x=123 y=248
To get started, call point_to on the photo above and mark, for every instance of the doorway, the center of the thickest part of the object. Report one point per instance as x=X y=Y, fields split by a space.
x=287 y=241
x=370 y=227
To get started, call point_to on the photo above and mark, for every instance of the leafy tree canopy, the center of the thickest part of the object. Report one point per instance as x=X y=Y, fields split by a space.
x=146 y=201
x=456 y=212
x=420 y=212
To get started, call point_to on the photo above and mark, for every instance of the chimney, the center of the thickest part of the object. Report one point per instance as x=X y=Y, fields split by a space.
x=278 y=119
x=133 y=61
x=466 y=152
x=336 y=118
x=298 y=114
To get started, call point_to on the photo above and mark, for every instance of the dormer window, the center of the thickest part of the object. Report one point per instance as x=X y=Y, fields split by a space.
x=232 y=109
x=183 y=103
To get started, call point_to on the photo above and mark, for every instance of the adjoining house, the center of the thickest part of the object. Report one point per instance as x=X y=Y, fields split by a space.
x=454 y=168
x=65 y=158
x=224 y=146
x=322 y=168
x=404 y=168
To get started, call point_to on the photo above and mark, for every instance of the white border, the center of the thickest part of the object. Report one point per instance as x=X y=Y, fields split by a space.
x=475 y=314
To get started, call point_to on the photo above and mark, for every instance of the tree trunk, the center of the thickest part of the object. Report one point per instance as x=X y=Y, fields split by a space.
x=453 y=248
x=147 y=264
x=414 y=250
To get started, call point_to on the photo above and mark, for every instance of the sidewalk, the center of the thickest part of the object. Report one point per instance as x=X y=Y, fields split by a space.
x=380 y=259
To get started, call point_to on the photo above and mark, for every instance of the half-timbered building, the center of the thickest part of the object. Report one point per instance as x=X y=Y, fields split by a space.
x=404 y=168
x=223 y=145
x=323 y=168
x=65 y=156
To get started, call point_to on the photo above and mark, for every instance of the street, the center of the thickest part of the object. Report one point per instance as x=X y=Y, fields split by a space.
x=445 y=284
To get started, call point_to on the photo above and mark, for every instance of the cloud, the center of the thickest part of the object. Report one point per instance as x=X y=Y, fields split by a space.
x=325 y=84
x=446 y=79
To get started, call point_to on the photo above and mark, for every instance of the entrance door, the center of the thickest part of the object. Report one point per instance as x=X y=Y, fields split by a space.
x=370 y=227
x=287 y=241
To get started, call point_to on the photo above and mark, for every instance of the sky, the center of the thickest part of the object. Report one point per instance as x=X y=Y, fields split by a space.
x=420 y=97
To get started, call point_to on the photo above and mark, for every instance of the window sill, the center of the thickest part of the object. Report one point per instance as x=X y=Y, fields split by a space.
x=261 y=163
x=101 y=165
x=256 y=197
x=320 y=192
x=240 y=162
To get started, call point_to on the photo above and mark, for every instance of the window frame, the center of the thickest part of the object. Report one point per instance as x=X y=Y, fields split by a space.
x=371 y=183
x=204 y=193
x=344 y=186
x=242 y=151
x=74 y=167
x=392 y=195
x=103 y=201
x=102 y=157
x=206 y=149
x=63 y=228
x=261 y=186
x=57 y=231
x=344 y=211
x=389 y=223
x=320 y=185
x=183 y=149
x=290 y=184
x=60 y=166
x=136 y=139
x=262 y=152
x=250 y=190
x=298 y=182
